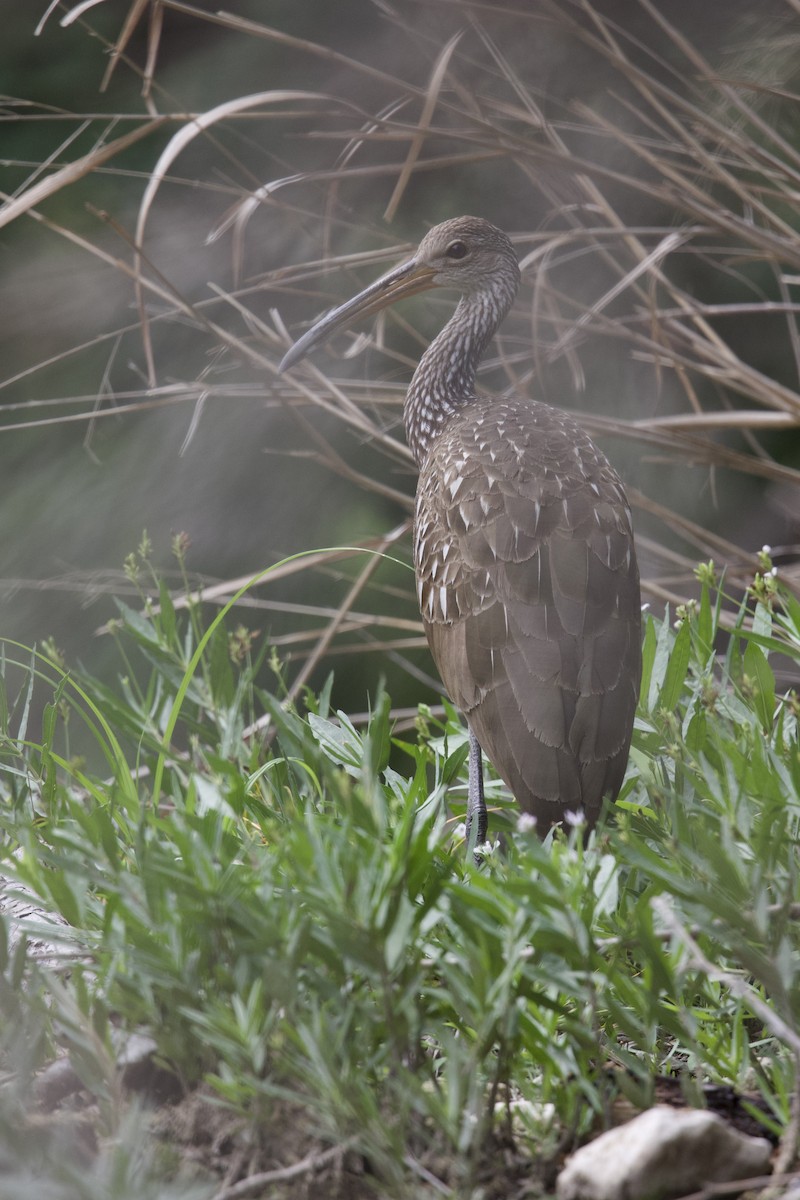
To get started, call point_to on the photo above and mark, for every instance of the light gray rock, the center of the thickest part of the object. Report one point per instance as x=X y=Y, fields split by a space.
x=663 y=1153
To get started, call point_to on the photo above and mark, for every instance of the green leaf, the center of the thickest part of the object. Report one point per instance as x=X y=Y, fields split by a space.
x=220 y=668
x=454 y=763
x=705 y=623
x=22 y=732
x=792 y=618
x=340 y=741
x=137 y=624
x=697 y=731
x=648 y=661
x=664 y=642
x=677 y=668
x=378 y=741
x=757 y=667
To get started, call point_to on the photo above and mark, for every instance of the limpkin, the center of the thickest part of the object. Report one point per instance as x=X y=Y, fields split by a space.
x=523 y=548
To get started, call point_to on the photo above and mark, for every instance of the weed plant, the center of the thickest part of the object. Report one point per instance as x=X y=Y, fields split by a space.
x=292 y=917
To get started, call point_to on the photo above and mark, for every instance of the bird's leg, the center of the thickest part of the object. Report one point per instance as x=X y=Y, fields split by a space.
x=477 y=818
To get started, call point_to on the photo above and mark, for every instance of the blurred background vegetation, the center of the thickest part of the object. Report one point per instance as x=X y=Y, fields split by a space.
x=645 y=158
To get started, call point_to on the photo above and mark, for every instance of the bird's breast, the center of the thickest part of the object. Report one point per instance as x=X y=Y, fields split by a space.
x=500 y=481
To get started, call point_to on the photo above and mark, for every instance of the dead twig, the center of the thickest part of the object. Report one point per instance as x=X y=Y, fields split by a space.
x=306 y=1166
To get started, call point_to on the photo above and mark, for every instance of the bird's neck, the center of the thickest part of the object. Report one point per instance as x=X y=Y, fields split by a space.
x=444 y=381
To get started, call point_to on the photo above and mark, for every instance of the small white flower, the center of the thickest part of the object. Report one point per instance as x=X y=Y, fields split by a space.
x=575 y=819
x=774 y=571
x=460 y=831
x=766 y=549
x=645 y=606
x=526 y=822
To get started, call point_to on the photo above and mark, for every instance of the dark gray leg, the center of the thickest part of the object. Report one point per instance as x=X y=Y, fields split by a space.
x=477 y=818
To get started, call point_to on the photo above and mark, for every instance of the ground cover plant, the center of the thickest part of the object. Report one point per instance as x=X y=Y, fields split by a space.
x=292 y=919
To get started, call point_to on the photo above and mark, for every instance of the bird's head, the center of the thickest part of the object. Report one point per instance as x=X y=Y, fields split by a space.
x=466 y=253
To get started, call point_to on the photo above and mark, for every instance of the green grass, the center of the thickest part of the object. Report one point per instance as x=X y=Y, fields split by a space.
x=297 y=924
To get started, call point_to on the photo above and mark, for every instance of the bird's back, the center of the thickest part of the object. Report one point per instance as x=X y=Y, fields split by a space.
x=529 y=592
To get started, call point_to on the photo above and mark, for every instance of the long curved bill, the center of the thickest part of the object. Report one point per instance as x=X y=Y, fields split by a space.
x=406 y=280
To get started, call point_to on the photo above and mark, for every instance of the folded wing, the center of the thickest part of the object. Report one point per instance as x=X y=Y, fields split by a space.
x=529 y=592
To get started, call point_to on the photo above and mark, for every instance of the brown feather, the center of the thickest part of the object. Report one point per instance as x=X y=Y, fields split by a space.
x=536 y=631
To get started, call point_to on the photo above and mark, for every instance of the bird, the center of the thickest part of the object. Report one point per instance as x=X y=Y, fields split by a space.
x=523 y=545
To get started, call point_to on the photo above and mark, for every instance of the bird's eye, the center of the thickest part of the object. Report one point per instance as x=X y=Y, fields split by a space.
x=457 y=250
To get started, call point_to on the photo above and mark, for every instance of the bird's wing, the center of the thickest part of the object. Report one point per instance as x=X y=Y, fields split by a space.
x=529 y=592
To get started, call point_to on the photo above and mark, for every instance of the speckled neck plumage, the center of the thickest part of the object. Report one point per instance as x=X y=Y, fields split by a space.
x=444 y=380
